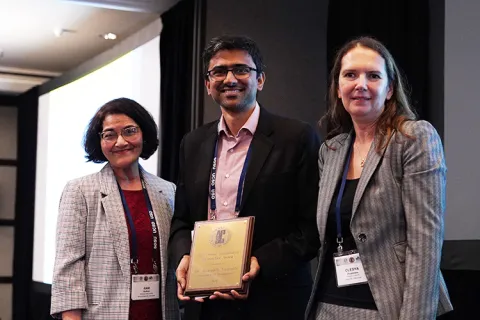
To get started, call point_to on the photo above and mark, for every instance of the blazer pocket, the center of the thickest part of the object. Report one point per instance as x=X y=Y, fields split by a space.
x=400 y=249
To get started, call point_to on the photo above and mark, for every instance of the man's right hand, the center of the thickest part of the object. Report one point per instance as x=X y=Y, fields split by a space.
x=181 y=274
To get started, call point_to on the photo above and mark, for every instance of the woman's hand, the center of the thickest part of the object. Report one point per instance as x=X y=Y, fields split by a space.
x=72 y=315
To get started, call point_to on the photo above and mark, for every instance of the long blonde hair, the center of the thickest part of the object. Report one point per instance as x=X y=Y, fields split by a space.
x=397 y=109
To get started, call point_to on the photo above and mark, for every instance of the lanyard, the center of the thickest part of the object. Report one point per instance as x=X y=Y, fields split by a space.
x=339 y=201
x=134 y=254
x=213 y=201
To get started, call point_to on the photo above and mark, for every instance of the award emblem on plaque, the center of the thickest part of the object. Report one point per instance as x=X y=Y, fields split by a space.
x=220 y=236
x=220 y=256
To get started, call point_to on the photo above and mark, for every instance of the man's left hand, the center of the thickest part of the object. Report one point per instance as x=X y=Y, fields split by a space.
x=249 y=276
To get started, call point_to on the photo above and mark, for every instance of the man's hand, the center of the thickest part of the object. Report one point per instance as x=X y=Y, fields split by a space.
x=249 y=276
x=181 y=274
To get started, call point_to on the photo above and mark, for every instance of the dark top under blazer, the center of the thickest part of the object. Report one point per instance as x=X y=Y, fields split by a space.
x=280 y=190
x=397 y=220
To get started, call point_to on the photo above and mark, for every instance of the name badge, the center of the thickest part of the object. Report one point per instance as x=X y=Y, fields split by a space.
x=145 y=286
x=349 y=269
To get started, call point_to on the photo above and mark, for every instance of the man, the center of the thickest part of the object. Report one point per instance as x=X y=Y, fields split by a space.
x=280 y=189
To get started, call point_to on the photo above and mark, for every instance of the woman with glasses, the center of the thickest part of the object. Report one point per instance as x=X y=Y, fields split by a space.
x=113 y=226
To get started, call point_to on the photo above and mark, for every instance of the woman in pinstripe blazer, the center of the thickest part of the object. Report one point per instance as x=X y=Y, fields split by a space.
x=381 y=198
x=114 y=224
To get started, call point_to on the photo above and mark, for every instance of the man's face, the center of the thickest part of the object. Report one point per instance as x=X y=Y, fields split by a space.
x=231 y=93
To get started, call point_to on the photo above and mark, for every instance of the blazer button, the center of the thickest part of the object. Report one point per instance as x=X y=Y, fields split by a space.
x=362 y=237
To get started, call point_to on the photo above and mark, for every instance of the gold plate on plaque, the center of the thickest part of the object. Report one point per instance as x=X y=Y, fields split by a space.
x=220 y=256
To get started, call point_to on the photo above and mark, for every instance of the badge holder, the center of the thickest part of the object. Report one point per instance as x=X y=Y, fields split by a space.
x=348 y=267
x=145 y=286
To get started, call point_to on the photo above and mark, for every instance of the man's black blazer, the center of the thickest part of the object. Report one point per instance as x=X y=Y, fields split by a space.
x=280 y=190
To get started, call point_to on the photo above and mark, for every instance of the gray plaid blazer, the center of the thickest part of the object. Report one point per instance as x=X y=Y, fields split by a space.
x=92 y=263
x=397 y=220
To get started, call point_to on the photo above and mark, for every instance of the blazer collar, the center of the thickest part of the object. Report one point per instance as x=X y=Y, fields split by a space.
x=371 y=164
x=115 y=216
x=108 y=182
x=204 y=161
x=373 y=161
x=334 y=162
x=261 y=146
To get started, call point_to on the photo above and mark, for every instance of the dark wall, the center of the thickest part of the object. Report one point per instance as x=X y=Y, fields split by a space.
x=436 y=60
x=292 y=37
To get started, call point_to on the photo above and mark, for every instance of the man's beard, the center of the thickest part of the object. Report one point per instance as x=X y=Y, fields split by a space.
x=240 y=107
x=237 y=108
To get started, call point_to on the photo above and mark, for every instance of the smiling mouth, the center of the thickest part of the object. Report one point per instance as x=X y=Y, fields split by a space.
x=231 y=90
x=361 y=98
x=122 y=151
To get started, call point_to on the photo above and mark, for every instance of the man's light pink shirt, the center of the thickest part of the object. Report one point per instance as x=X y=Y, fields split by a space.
x=232 y=151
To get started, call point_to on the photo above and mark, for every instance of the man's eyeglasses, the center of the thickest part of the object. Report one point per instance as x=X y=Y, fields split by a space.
x=239 y=72
x=127 y=133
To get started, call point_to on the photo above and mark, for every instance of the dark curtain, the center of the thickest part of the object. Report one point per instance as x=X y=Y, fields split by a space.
x=27 y=104
x=179 y=65
x=8 y=100
x=401 y=25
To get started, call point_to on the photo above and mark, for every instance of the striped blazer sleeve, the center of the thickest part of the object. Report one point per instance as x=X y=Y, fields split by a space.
x=68 y=284
x=423 y=197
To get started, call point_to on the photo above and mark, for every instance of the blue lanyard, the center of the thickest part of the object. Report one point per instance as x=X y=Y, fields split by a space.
x=213 y=178
x=339 y=198
x=134 y=254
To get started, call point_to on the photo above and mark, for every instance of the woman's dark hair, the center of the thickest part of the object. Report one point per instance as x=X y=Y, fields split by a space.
x=229 y=42
x=397 y=109
x=133 y=110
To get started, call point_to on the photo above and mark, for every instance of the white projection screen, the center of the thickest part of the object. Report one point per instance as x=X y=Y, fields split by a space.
x=62 y=118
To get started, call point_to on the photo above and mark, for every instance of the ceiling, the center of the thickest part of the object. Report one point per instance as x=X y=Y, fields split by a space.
x=31 y=53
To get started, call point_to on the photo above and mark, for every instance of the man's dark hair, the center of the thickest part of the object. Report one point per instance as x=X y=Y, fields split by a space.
x=131 y=109
x=228 y=42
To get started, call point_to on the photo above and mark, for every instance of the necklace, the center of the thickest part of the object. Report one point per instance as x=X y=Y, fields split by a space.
x=361 y=150
x=362 y=158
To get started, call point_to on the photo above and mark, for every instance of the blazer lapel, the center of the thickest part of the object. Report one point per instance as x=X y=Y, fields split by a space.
x=203 y=171
x=334 y=163
x=371 y=164
x=112 y=204
x=161 y=208
x=261 y=146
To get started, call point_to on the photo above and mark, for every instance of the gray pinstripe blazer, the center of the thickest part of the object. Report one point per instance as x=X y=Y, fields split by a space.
x=92 y=268
x=397 y=221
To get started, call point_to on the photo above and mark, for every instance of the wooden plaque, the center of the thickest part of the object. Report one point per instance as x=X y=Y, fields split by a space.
x=220 y=256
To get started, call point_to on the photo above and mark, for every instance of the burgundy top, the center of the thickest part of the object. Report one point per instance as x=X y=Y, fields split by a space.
x=142 y=309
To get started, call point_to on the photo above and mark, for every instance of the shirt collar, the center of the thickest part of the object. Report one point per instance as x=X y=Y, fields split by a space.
x=250 y=125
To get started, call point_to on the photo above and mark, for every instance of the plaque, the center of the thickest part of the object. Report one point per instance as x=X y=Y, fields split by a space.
x=220 y=256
